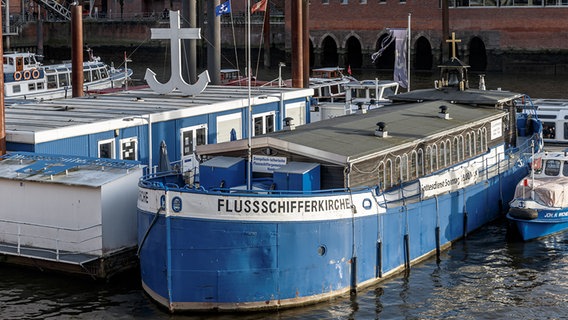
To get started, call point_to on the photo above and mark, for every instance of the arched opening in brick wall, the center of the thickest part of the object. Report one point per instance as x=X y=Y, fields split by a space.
x=329 y=56
x=354 y=56
x=386 y=60
x=477 y=55
x=312 y=57
x=423 y=58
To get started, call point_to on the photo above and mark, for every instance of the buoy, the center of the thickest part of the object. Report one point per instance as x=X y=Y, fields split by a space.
x=35 y=73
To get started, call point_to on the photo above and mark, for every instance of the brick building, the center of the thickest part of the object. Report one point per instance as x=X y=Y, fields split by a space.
x=496 y=35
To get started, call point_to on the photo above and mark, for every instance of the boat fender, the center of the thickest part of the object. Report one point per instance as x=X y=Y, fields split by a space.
x=523 y=213
x=35 y=73
x=17 y=76
x=27 y=74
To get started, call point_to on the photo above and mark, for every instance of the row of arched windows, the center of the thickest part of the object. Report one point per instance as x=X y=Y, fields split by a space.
x=431 y=158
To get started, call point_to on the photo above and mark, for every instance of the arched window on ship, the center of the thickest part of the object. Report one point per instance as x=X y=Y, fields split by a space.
x=404 y=168
x=381 y=175
x=413 y=165
x=396 y=177
x=420 y=165
x=388 y=174
x=428 y=160
x=483 y=140
x=435 y=157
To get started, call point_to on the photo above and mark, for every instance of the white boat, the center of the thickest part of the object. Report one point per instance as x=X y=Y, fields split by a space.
x=553 y=114
x=25 y=78
x=359 y=97
x=540 y=206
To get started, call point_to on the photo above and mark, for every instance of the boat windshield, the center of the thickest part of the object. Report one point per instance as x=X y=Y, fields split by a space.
x=552 y=168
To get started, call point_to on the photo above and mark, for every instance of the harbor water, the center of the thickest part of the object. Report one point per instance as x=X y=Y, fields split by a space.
x=491 y=274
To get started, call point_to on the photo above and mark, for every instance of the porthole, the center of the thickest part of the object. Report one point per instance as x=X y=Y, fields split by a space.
x=176 y=204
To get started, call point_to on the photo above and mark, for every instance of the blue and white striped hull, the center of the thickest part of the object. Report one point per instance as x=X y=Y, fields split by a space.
x=201 y=257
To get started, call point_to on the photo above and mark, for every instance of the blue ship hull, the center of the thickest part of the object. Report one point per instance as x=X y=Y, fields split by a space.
x=200 y=263
x=540 y=227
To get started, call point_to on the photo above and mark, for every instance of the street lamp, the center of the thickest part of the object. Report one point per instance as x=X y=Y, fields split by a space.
x=280 y=65
x=148 y=120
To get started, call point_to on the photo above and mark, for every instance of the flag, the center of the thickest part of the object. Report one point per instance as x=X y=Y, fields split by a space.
x=400 y=61
x=259 y=6
x=537 y=164
x=399 y=36
x=349 y=69
x=223 y=8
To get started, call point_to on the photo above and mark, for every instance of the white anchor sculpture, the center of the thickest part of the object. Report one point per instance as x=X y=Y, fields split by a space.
x=175 y=34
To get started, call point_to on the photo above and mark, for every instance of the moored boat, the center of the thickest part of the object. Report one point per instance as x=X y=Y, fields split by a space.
x=232 y=77
x=553 y=114
x=25 y=78
x=540 y=206
x=306 y=214
x=358 y=97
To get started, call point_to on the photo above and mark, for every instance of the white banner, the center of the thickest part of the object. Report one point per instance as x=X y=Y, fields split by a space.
x=496 y=129
x=266 y=163
x=448 y=181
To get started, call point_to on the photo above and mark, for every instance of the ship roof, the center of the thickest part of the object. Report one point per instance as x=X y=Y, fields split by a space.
x=66 y=170
x=349 y=139
x=470 y=96
x=36 y=122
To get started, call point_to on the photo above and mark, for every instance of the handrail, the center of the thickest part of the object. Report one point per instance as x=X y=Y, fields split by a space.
x=40 y=241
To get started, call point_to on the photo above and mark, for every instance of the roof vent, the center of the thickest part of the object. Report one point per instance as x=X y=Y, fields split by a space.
x=482 y=82
x=288 y=124
x=381 y=130
x=360 y=109
x=444 y=112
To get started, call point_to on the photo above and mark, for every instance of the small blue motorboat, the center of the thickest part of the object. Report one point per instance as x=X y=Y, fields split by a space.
x=540 y=205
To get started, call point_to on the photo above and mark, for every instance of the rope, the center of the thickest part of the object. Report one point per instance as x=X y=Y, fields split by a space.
x=148 y=231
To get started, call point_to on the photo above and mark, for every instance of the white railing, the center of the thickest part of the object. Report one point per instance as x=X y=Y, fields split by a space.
x=49 y=242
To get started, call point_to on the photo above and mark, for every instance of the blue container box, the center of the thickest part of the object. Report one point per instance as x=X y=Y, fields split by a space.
x=301 y=176
x=225 y=172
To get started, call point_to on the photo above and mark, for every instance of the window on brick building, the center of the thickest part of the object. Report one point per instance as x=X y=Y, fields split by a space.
x=324 y=1
x=343 y=1
x=362 y=1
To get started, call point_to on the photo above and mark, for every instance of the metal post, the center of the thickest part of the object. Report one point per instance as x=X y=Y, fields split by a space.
x=280 y=65
x=77 y=50
x=150 y=164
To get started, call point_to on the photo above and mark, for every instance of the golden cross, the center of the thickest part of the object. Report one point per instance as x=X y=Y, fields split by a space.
x=453 y=41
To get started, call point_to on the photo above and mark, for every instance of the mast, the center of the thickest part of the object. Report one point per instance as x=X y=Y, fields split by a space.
x=266 y=35
x=408 y=53
x=249 y=154
x=214 y=46
x=445 y=28
x=2 y=110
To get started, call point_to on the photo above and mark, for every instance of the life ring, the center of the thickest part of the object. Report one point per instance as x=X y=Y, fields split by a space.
x=17 y=76
x=27 y=75
x=35 y=73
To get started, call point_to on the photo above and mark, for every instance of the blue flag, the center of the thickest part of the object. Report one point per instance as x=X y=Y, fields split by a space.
x=223 y=8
